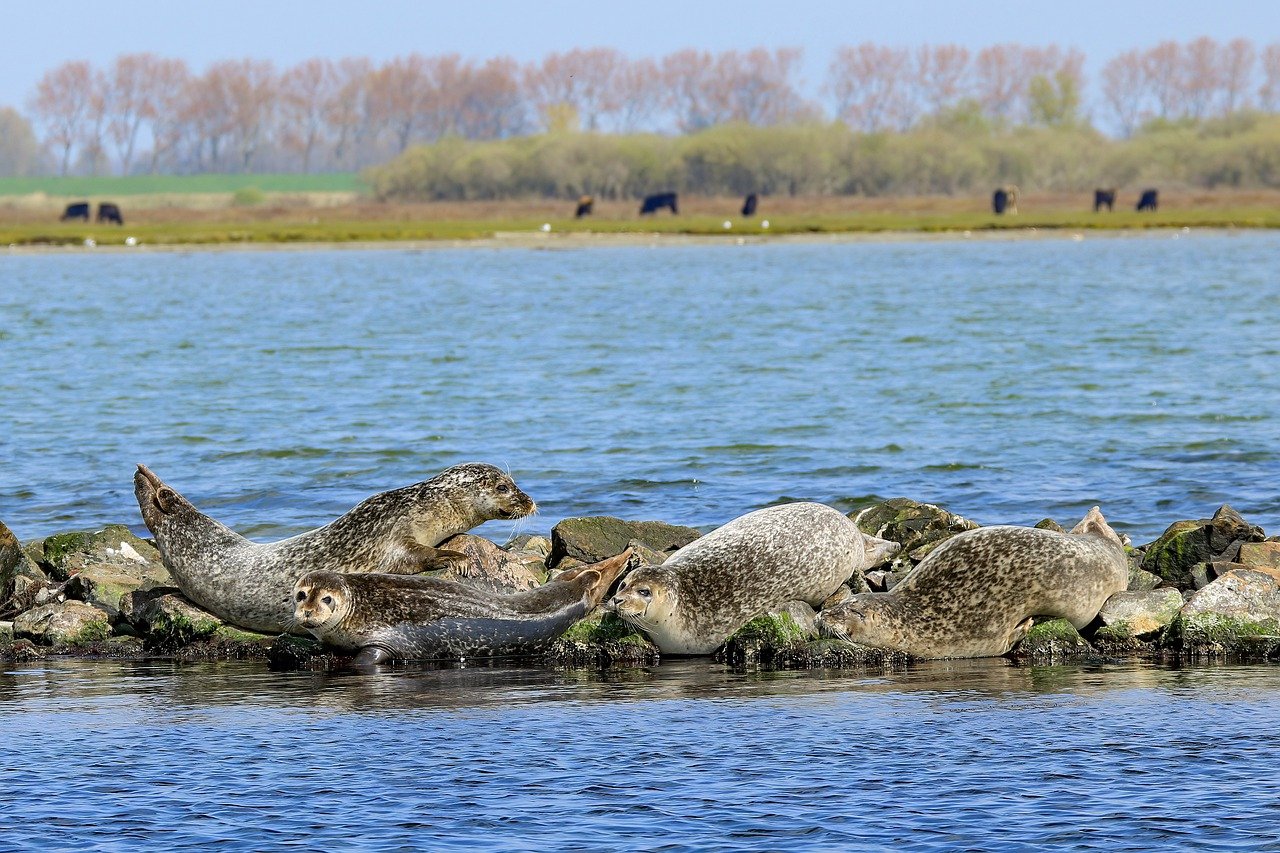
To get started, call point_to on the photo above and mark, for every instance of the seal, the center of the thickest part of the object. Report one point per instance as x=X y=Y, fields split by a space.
x=976 y=594
x=392 y=617
x=251 y=584
x=713 y=586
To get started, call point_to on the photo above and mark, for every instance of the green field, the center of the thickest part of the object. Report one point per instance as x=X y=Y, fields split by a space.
x=79 y=187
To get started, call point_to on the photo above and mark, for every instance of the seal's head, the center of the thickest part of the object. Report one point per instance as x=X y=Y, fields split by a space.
x=320 y=601
x=1093 y=524
x=495 y=494
x=647 y=598
x=867 y=619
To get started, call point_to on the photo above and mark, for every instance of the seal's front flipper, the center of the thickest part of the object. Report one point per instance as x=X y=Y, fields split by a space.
x=424 y=558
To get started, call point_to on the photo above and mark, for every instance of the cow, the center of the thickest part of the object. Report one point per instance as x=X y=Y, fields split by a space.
x=1005 y=200
x=658 y=201
x=585 y=205
x=77 y=210
x=108 y=212
x=1148 y=201
x=1104 y=198
x=749 y=206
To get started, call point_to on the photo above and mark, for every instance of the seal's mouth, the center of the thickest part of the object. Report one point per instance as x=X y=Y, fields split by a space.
x=832 y=629
x=528 y=508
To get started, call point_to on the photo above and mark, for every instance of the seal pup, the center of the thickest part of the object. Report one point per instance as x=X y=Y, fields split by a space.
x=393 y=617
x=975 y=595
x=713 y=586
x=251 y=584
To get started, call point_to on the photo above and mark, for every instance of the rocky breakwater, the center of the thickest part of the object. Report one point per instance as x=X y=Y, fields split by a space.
x=1205 y=588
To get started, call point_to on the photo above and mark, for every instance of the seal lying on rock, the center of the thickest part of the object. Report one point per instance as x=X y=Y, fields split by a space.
x=976 y=594
x=391 y=617
x=251 y=584
x=713 y=586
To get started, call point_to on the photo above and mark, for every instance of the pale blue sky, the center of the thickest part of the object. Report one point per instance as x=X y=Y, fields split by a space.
x=39 y=35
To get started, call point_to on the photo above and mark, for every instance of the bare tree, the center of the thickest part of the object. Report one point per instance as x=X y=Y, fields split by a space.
x=941 y=75
x=1269 y=91
x=870 y=86
x=639 y=93
x=1125 y=88
x=492 y=105
x=1163 y=64
x=306 y=91
x=130 y=102
x=167 y=85
x=1237 y=62
x=759 y=87
x=348 y=110
x=62 y=104
x=399 y=94
x=583 y=79
x=689 y=77
x=997 y=79
x=1201 y=77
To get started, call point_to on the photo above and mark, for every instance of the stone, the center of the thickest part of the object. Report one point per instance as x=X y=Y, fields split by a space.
x=6 y=632
x=1186 y=544
x=21 y=580
x=843 y=593
x=1049 y=524
x=1140 y=580
x=1237 y=614
x=917 y=527
x=590 y=539
x=1052 y=638
x=100 y=566
x=528 y=543
x=491 y=568
x=165 y=619
x=602 y=639
x=63 y=623
x=1140 y=614
x=1259 y=555
x=761 y=640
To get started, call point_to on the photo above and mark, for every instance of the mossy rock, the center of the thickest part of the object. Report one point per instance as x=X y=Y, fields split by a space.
x=602 y=640
x=227 y=642
x=831 y=653
x=763 y=638
x=917 y=527
x=1049 y=524
x=20 y=651
x=287 y=653
x=1187 y=544
x=1211 y=635
x=1052 y=638
x=590 y=539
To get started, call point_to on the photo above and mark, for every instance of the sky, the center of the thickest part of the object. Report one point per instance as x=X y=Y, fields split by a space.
x=45 y=34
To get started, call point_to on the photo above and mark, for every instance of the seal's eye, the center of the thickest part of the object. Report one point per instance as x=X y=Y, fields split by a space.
x=301 y=596
x=645 y=592
x=328 y=600
x=502 y=490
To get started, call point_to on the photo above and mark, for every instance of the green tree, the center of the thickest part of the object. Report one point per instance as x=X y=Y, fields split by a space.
x=19 y=151
x=1054 y=101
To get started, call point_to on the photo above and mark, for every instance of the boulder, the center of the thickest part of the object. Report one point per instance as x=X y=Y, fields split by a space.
x=1260 y=556
x=165 y=619
x=21 y=580
x=1186 y=544
x=1049 y=524
x=590 y=539
x=63 y=623
x=917 y=527
x=761 y=640
x=1052 y=638
x=1236 y=614
x=1139 y=614
x=530 y=544
x=491 y=568
x=602 y=639
x=98 y=567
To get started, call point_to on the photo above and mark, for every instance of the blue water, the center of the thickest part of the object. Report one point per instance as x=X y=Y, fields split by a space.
x=1005 y=380
x=1008 y=381
x=969 y=755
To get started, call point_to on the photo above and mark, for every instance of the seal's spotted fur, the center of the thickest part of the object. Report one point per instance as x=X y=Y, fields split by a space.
x=251 y=585
x=390 y=617
x=976 y=594
x=712 y=587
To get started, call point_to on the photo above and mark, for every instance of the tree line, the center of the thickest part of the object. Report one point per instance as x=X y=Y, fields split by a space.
x=147 y=113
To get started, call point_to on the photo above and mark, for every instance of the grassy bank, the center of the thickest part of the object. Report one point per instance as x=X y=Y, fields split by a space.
x=300 y=222
x=135 y=185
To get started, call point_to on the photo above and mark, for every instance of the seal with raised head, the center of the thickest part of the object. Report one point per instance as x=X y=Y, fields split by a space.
x=393 y=617
x=713 y=586
x=976 y=594
x=251 y=584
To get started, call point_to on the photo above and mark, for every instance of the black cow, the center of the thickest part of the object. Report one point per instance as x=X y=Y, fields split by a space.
x=999 y=201
x=1104 y=198
x=108 y=212
x=658 y=201
x=585 y=205
x=78 y=210
x=1149 y=200
x=749 y=206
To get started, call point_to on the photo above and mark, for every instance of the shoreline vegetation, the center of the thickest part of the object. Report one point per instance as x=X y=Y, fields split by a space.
x=303 y=219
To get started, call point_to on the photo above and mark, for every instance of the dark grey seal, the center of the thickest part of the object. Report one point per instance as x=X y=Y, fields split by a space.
x=975 y=595
x=251 y=584
x=713 y=586
x=391 y=617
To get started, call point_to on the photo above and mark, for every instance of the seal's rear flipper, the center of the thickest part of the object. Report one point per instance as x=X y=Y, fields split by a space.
x=155 y=499
x=423 y=558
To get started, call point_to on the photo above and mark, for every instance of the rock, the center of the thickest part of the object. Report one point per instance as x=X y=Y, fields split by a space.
x=1049 y=524
x=21 y=580
x=842 y=594
x=1185 y=544
x=602 y=639
x=287 y=653
x=1140 y=580
x=1052 y=638
x=493 y=569
x=529 y=544
x=1139 y=614
x=761 y=640
x=590 y=539
x=917 y=527
x=830 y=653
x=6 y=632
x=165 y=619
x=1237 y=614
x=66 y=554
x=63 y=623
x=1260 y=555
x=20 y=651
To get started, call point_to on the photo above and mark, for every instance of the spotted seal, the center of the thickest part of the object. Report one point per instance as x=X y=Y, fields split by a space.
x=392 y=617
x=976 y=593
x=251 y=584
x=713 y=586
